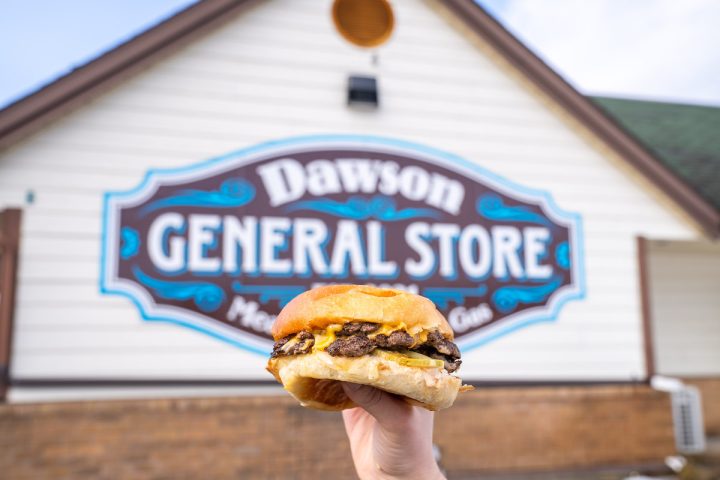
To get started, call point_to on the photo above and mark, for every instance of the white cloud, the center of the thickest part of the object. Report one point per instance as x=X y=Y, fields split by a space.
x=655 y=49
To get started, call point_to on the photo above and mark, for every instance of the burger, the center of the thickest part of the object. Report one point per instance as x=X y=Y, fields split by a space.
x=389 y=339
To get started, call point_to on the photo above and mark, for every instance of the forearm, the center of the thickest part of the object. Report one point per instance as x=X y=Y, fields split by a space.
x=406 y=455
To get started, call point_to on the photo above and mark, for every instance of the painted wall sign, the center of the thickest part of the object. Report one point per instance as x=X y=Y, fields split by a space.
x=221 y=246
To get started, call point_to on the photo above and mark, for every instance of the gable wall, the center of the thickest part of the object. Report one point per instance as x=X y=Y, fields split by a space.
x=278 y=71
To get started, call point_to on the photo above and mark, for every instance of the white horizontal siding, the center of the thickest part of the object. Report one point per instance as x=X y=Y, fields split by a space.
x=278 y=71
x=685 y=295
x=219 y=362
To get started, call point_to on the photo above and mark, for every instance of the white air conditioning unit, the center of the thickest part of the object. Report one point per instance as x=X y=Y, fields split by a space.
x=688 y=420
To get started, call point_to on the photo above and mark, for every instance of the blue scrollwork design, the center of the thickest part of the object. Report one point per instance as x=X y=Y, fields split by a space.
x=282 y=293
x=207 y=296
x=491 y=206
x=441 y=296
x=233 y=192
x=130 y=242
x=507 y=299
x=361 y=208
x=562 y=255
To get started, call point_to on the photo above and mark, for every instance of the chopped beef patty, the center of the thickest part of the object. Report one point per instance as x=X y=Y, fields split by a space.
x=353 y=341
x=446 y=347
x=305 y=342
x=357 y=327
x=395 y=341
x=451 y=364
x=354 y=346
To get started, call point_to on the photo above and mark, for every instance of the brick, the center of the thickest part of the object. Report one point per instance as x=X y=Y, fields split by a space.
x=492 y=430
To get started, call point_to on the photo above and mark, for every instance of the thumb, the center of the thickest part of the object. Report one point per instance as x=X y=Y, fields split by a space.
x=381 y=405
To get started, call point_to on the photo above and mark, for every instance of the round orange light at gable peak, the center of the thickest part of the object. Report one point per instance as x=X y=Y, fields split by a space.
x=365 y=23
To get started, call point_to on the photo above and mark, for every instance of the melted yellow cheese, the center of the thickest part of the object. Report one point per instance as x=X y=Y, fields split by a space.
x=387 y=329
x=325 y=338
x=290 y=343
x=421 y=338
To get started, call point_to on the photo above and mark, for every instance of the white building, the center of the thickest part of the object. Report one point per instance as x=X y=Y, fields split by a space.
x=456 y=93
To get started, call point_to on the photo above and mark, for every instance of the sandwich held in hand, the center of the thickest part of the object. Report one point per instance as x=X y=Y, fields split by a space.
x=390 y=339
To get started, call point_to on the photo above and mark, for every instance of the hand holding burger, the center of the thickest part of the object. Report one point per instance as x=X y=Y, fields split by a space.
x=379 y=355
x=388 y=437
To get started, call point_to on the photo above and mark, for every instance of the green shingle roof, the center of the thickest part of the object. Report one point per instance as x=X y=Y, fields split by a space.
x=686 y=138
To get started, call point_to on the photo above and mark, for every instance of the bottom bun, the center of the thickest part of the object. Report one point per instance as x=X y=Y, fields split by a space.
x=314 y=379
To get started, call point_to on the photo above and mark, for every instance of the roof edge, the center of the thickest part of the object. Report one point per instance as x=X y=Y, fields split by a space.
x=30 y=113
x=585 y=111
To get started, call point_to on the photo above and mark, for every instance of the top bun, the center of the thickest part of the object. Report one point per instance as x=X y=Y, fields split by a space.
x=320 y=307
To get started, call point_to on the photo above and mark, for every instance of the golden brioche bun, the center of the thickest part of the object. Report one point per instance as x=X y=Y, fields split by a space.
x=320 y=307
x=314 y=380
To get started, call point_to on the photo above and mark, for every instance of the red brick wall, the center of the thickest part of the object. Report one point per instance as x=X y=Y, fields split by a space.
x=238 y=438
x=556 y=428
x=519 y=429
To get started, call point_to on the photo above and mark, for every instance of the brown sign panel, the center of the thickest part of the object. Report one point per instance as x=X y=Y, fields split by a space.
x=223 y=245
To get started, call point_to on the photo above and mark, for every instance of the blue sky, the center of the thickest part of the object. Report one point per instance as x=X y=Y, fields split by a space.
x=654 y=49
x=43 y=39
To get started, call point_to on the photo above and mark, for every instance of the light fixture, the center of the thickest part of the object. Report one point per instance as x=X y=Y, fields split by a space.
x=363 y=91
x=365 y=23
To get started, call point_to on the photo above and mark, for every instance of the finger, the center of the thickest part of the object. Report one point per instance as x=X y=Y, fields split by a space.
x=384 y=407
x=352 y=416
